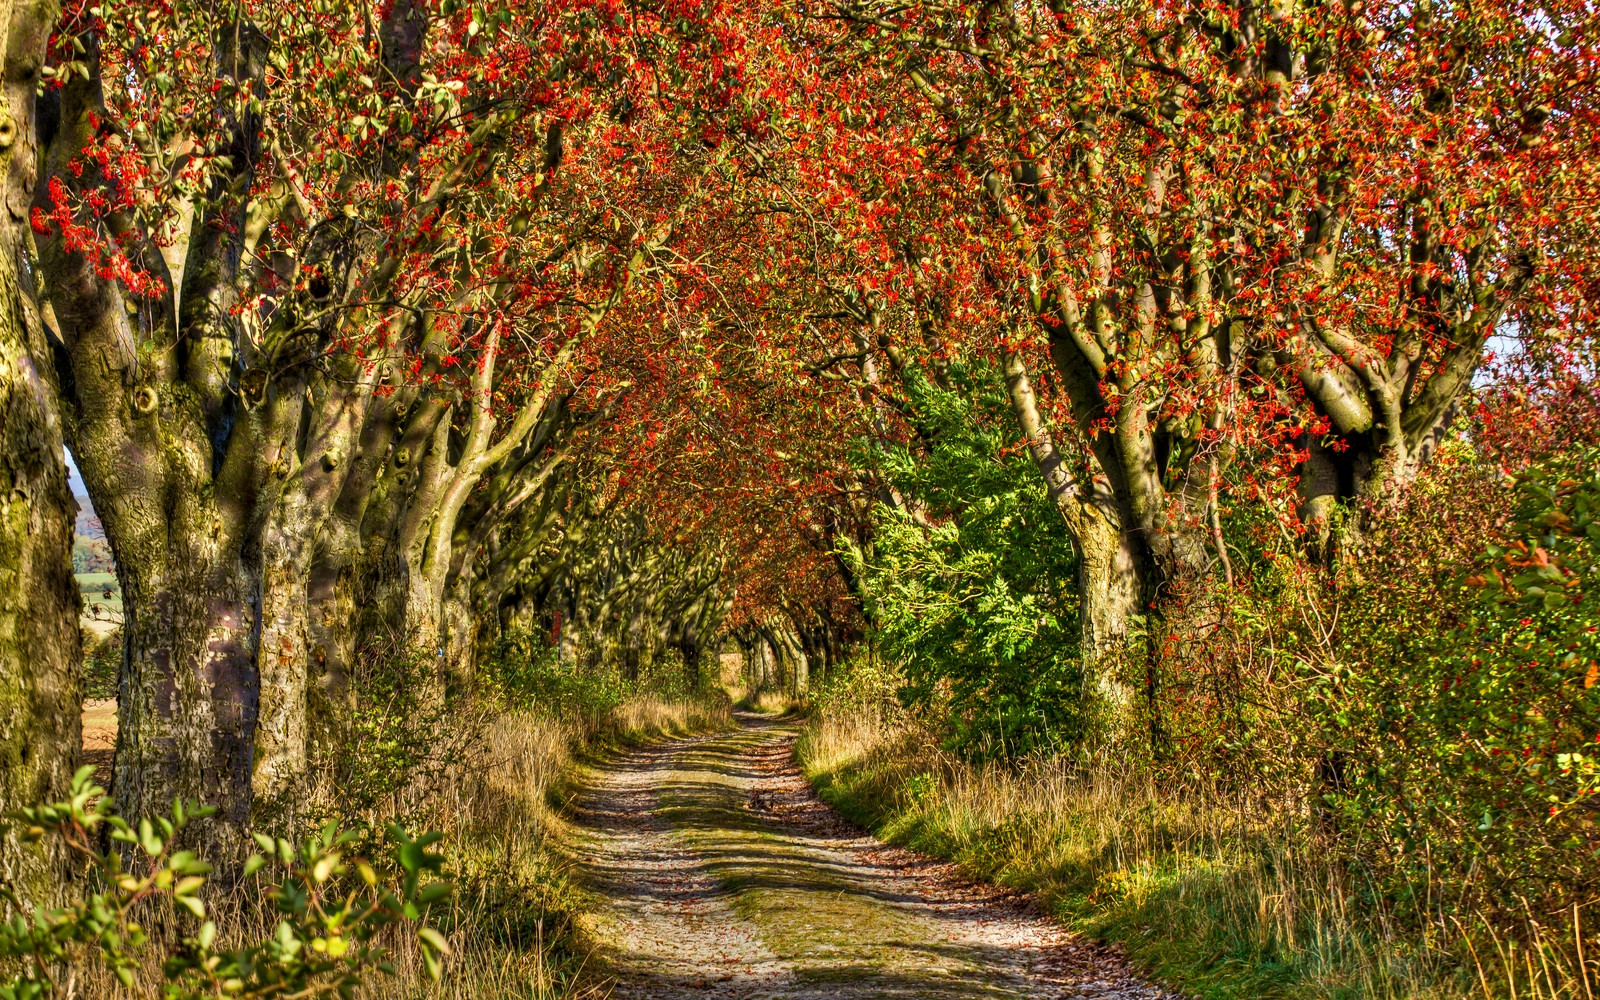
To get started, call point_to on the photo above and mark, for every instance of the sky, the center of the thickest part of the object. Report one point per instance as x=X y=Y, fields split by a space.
x=75 y=482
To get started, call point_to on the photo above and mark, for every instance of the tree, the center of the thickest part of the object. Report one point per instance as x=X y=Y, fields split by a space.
x=40 y=655
x=970 y=583
x=315 y=280
x=1262 y=245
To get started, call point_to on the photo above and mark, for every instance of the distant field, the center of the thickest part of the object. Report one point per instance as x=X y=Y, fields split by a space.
x=94 y=587
x=100 y=736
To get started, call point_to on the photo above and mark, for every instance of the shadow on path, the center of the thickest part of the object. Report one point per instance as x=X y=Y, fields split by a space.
x=725 y=877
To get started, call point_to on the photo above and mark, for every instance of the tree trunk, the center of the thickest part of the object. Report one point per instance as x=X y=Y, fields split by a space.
x=291 y=538
x=282 y=734
x=689 y=644
x=1111 y=589
x=40 y=646
x=188 y=695
x=1112 y=571
x=459 y=629
x=635 y=654
x=176 y=474
x=333 y=609
x=1373 y=467
x=800 y=666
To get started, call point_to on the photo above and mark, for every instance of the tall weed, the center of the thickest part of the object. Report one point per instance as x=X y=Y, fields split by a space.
x=1225 y=890
x=488 y=772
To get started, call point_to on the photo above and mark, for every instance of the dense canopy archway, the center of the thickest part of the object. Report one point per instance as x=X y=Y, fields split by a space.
x=1009 y=343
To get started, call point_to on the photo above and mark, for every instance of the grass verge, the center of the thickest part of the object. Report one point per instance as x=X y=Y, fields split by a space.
x=510 y=926
x=1215 y=895
x=515 y=934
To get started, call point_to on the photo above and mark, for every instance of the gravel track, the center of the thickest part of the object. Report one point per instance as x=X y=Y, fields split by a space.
x=723 y=876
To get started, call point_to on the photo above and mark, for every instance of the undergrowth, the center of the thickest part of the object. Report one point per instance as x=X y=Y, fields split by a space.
x=1221 y=894
x=506 y=838
x=490 y=773
x=767 y=702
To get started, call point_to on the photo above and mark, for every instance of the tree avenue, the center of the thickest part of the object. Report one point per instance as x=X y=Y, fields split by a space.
x=423 y=336
x=1278 y=237
x=328 y=289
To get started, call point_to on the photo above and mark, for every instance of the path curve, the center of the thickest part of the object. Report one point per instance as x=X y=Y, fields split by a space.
x=723 y=876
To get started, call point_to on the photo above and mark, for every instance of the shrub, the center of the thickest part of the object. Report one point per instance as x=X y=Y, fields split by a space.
x=1465 y=695
x=102 y=660
x=971 y=583
x=390 y=747
x=329 y=908
x=528 y=674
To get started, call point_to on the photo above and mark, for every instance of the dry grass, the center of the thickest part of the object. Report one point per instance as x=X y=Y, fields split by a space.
x=510 y=923
x=649 y=716
x=1224 y=894
x=767 y=701
x=513 y=933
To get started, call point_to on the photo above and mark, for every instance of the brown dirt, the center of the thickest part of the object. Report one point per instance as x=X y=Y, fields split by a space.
x=100 y=736
x=724 y=876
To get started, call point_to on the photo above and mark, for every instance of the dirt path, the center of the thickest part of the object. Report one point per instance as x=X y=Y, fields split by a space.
x=725 y=877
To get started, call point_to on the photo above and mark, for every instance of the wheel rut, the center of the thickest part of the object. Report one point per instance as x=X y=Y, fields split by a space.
x=724 y=876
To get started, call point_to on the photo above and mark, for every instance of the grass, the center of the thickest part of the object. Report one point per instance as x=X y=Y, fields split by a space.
x=516 y=936
x=101 y=614
x=814 y=915
x=513 y=930
x=94 y=586
x=511 y=923
x=1221 y=896
x=767 y=702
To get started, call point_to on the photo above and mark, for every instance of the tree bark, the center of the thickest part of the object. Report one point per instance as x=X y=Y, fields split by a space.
x=187 y=698
x=288 y=547
x=1113 y=572
x=178 y=474
x=40 y=645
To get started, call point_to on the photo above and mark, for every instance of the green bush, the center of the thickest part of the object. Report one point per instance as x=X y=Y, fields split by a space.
x=329 y=908
x=1464 y=700
x=971 y=585
x=396 y=741
x=527 y=674
x=862 y=686
x=102 y=660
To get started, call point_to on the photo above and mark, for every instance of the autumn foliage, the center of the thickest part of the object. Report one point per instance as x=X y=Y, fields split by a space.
x=624 y=334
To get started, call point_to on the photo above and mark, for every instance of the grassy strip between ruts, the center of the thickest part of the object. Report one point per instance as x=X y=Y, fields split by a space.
x=1203 y=905
x=826 y=924
x=769 y=898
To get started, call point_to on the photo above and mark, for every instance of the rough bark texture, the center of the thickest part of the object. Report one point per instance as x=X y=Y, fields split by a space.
x=175 y=462
x=288 y=548
x=214 y=455
x=1113 y=575
x=40 y=647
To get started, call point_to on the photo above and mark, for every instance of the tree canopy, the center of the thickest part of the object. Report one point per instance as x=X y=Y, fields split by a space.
x=423 y=320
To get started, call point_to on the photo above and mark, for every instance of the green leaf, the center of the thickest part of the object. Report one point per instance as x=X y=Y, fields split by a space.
x=81 y=778
x=324 y=866
x=148 y=840
x=434 y=939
